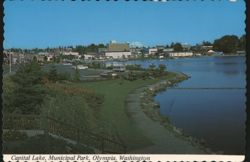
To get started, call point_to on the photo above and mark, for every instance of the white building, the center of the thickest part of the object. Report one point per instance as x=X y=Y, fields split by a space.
x=88 y=57
x=71 y=53
x=50 y=57
x=117 y=55
x=168 y=50
x=152 y=51
x=181 y=54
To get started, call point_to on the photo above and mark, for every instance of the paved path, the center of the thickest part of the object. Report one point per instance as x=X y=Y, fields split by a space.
x=164 y=141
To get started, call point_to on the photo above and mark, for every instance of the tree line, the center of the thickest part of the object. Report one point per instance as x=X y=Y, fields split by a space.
x=227 y=44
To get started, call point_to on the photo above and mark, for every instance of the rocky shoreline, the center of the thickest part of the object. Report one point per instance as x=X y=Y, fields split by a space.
x=151 y=109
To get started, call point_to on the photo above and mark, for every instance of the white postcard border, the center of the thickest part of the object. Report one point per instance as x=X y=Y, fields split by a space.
x=120 y=157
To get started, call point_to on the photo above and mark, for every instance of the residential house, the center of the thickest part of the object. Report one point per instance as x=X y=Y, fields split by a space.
x=152 y=51
x=89 y=56
x=76 y=54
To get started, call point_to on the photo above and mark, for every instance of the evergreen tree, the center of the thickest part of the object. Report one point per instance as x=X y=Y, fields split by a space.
x=28 y=92
x=162 y=68
x=52 y=76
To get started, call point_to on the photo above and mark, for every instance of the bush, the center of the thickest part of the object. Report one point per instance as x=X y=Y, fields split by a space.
x=64 y=76
x=52 y=75
x=134 y=67
x=14 y=135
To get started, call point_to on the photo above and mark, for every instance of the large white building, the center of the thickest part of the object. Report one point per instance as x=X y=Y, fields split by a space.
x=117 y=55
x=118 y=50
x=180 y=54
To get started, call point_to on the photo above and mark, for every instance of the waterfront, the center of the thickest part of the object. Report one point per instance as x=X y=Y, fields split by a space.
x=209 y=105
x=215 y=115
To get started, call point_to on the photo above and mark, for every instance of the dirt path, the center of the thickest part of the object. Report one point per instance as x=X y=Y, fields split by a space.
x=164 y=141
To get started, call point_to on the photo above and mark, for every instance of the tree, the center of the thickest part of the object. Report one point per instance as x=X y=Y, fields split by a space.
x=177 y=47
x=162 y=67
x=28 y=92
x=242 y=43
x=206 y=43
x=227 y=44
x=52 y=76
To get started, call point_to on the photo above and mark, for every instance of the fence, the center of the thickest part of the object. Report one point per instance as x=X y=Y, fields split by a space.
x=66 y=130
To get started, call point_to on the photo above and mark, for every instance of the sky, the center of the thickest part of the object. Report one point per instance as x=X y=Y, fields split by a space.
x=41 y=24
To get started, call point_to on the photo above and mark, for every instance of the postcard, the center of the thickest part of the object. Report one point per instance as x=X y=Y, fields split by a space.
x=124 y=81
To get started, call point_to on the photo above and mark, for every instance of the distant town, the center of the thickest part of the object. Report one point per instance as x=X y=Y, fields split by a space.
x=226 y=45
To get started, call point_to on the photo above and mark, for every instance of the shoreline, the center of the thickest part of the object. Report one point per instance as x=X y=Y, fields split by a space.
x=144 y=111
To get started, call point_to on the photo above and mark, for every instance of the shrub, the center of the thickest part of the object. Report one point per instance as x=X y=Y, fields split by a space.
x=28 y=91
x=14 y=135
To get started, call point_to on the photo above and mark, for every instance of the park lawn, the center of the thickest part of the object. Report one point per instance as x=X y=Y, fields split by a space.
x=113 y=110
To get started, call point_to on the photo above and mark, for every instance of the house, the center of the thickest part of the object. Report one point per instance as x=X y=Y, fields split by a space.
x=152 y=51
x=165 y=50
x=40 y=58
x=206 y=48
x=14 y=57
x=89 y=56
x=136 y=50
x=210 y=52
x=241 y=52
x=50 y=57
x=118 y=50
x=102 y=50
x=76 y=54
x=180 y=54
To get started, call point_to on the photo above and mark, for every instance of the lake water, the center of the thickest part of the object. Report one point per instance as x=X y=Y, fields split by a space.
x=215 y=115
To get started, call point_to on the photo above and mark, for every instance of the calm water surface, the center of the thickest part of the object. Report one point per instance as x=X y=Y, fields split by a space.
x=215 y=115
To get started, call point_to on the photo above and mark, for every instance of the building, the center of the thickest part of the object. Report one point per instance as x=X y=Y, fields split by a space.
x=117 y=55
x=118 y=47
x=210 y=52
x=241 y=52
x=136 y=50
x=180 y=54
x=165 y=50
x=89 y=56
x=14 y=57
x=206 y=48
x=118 y=50
x=102 y=50
x=76 y=54
x=152 y=51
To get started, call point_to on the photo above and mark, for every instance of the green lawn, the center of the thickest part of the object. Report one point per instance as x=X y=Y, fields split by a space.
x=113 y=110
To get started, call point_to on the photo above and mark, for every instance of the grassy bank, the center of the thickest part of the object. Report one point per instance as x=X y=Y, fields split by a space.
x=98 y=106
x=112 y=115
